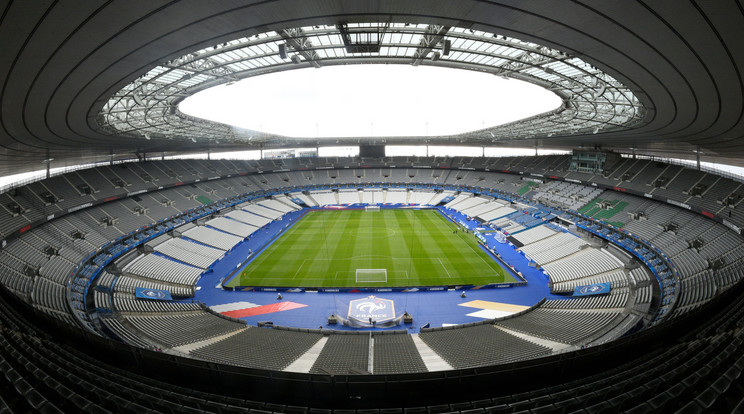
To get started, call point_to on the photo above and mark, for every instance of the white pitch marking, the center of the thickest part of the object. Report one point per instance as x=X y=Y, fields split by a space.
x=445 y=269
x=298 y=269
x=474 y=251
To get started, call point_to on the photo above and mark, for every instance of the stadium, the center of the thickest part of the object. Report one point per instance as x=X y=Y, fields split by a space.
x=586 y=257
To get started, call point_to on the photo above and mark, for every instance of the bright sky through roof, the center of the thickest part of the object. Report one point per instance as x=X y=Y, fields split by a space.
x=371 y=100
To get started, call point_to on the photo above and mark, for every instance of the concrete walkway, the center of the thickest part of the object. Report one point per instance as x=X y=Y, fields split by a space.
x=196 y=345
x=305 y=362
x=557 y=347
x=432 y=360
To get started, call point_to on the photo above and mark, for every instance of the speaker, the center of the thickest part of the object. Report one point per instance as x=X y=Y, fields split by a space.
x=446 y=47
x=283 y=51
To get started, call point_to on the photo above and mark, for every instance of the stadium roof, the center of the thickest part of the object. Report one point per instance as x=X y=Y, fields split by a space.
x=88 y=81
x=592 y=100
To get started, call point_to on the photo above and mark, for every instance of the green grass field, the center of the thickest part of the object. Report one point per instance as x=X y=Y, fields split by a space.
x=417 y=247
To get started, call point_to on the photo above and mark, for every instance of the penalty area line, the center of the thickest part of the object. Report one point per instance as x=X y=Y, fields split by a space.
x=444 y=267
x=299 y=268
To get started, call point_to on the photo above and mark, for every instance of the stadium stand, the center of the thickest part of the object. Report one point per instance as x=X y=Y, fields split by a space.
x=534 y=234
x=261 y=210
x=396 y=354
x=496 y=214
x=307 y=200
x=712 y=357
x=243 y=224
x=707 y=258
x=189 y=252
x=394 y=196
x=101 y=82
x=463 y=205
x=482 y=208
x=259 y=348
x=343 y=354
x=282 y=204
x=423 y=198
x=617 y=300
x=125 y=283
x=552 y=248
x=565 y=195
x=581 y=264
x=182 y=328
x=348 y=197
x=370 y=196
x=678 y=246
x=459 y=199
x=324 y=198
x=117 y=329
x=126 y=303
x=567 y=326
x=480 y=345
x=214 y=238
x=617 y=278
x=159 y=268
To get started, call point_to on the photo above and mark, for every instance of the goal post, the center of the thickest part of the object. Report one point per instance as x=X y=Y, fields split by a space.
x=371 y=276
x=371 y=208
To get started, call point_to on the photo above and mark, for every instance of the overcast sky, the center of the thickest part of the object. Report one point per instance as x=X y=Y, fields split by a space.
x=370 y=100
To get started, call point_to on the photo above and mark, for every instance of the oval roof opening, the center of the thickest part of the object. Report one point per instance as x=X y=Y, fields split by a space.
x=371 y=101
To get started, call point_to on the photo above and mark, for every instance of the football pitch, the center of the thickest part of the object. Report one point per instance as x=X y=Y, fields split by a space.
x=414 y=247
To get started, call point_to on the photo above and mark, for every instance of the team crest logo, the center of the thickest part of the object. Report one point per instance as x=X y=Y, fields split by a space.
x=377 y=309
x=592 y=289
x=154 y=294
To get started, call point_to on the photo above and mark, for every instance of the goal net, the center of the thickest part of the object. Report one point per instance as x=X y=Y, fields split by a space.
x=371 y=208
x=371 y=275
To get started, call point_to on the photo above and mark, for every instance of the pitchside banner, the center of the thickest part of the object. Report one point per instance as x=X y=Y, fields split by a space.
x=595 y=289
x=153 y=294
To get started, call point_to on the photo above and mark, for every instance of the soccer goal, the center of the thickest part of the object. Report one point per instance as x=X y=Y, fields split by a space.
x=371 y=275
x=371 y=208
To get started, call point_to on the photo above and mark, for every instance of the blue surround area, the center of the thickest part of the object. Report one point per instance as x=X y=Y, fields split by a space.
x=427 y=307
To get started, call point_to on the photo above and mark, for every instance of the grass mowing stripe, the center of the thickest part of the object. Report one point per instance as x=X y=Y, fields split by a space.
x=423 y=263
x=449 y=247
x=328 y=227
x=469 y=241
x=397 y=244
x=416 y=248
